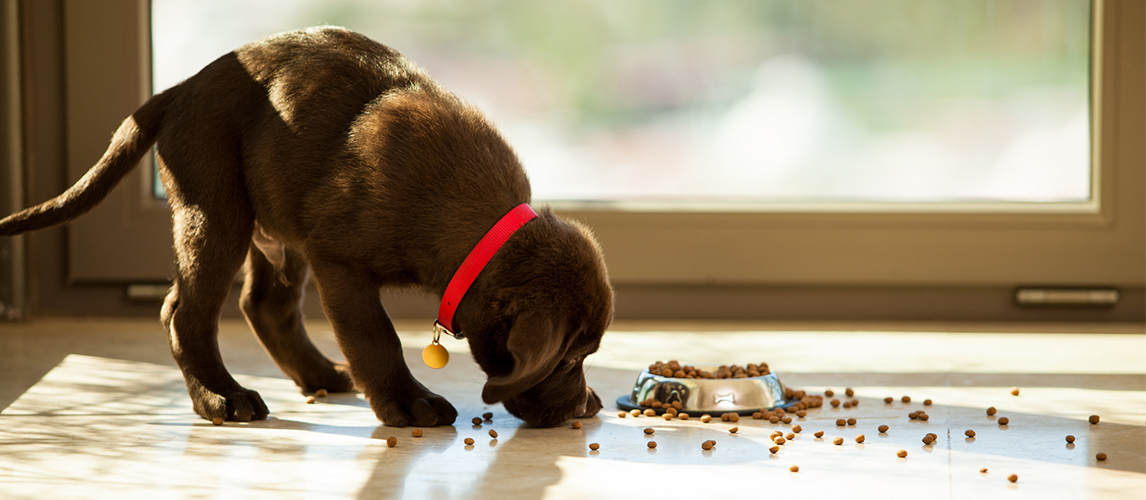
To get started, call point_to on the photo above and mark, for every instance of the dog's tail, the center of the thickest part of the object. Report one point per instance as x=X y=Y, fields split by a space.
x=130 y=142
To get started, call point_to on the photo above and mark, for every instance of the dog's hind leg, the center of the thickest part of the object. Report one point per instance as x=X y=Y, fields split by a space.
x=211 y=240
x=272 y=302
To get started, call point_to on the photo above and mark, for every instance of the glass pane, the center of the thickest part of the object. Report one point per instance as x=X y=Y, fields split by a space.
x=751 y=100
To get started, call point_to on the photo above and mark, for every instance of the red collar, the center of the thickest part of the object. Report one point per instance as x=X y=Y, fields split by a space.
x=475 y=262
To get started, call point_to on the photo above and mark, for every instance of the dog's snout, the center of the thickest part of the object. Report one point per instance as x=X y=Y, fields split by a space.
x=590 y=406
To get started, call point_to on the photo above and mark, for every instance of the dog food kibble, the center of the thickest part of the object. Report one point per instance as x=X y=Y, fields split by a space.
x=733 y=430
x=905 y=399
x=706 y=418
x=1014 y=391
x=683 y=416
x=983 y=470
x=594 y=446
x=493 y=433
x=838 y=441
x=469 y=441
x=901 y=453
x=860 y=438
x=829 y=393
x=649 y=430
x=852 y=421
x=310 y=400
x=882 y=428
x=924 y=416
x=801 y=413
x=796 y=428
x=786 y=420
x=1069 y=438
x=650 y=412
x=217 y=420
x=1014 y=478
x=476 y=420
x=635 y=413
x=790 y=436
x=1094 y=419
x=652 y=444
x=487 y=415
x=775 y=419
x=819 y=434
x=391 y=441
x=926 y=402
x=1100 y=456
x=970 y=433
x=622 y=414
x=707 y=445
x=1004 y=420
x=835 y=402
x=841 y=422
x=847 y=404
x=888 y=400
x=928 y=439
x=577 y=424
x=320 y=393
x=774 y=450
x=667 y=416
x=794 y=468
x=779 y=440
x=850 y=392
x=418 y=433
x=992 y=411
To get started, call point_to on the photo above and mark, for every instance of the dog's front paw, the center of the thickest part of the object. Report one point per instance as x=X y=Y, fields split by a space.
x=419 y=408
x=237 y=404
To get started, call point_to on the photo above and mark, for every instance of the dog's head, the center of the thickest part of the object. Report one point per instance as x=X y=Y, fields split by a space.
x=542 y=308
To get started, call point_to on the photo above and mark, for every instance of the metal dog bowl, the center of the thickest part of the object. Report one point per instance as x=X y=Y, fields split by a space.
x=743 y=396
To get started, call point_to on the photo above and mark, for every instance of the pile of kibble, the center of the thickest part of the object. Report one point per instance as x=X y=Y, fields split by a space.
x=675 y=369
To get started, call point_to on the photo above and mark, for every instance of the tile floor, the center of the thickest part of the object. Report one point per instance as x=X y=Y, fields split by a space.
x=96 y=408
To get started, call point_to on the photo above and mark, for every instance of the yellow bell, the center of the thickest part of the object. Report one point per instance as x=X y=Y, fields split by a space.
x=435 y=355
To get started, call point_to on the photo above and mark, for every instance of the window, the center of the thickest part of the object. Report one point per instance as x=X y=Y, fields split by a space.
x=741 y=101
x=1090 y=234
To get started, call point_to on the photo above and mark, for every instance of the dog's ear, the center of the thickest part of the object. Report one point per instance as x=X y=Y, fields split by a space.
x=535 y=342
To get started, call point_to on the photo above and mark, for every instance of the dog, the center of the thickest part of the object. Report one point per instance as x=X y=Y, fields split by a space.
x=323 y=154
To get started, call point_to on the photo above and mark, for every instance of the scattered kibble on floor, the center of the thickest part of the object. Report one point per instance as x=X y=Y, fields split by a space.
x=901 y=453
x=391 y=441
x=1093 y=419
x=794 y=468
x=594 y=446
x=1014 y=478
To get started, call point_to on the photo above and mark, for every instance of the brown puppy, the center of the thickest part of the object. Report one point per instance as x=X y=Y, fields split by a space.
x=339 y=155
